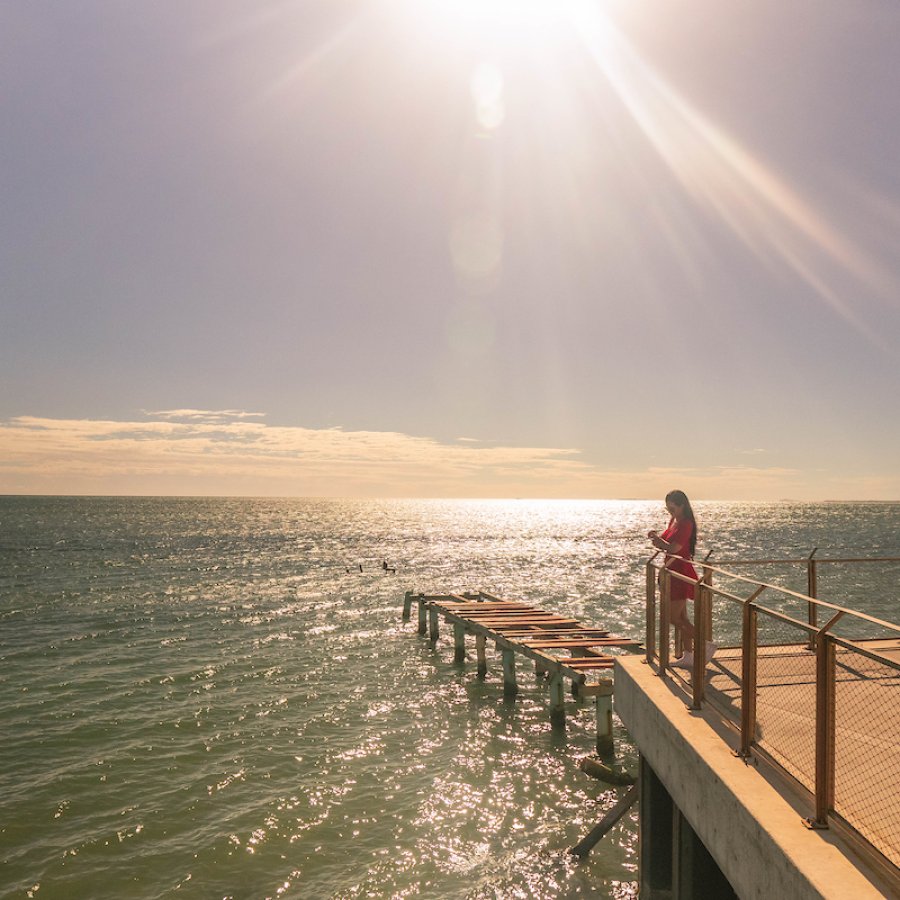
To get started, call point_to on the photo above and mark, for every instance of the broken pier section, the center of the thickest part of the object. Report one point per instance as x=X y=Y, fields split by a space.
x=560 y=647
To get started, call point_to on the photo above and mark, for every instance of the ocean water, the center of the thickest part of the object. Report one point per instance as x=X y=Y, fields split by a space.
x=208 y=698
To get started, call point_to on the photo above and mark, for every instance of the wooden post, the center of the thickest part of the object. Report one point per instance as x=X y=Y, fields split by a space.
x=708 y=580
x=664 y=613
x=480 y=645
x=433 y=629
x=650 y=637
x=825 y=663
x=510 y=688
x=812 y=590
x=748 y=678
x=557 y=699
x=604 y=718
x=698 y=675
x=407 y=605
x=459 y=642
x=423 y=624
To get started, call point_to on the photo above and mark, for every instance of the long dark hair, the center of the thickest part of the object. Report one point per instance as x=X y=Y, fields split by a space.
x=679 y=498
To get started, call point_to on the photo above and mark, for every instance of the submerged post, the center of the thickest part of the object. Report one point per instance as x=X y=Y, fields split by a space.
x=604 y=718
x=557 y=699
x=510 y=688
x=407 y=605
x=423 y=623
x=459 y=642
x=480 y=644
x=433 y=629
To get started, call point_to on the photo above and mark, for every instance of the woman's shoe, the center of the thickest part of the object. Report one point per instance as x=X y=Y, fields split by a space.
x=684 y=662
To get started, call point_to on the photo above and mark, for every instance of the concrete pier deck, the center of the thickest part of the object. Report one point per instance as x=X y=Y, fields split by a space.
x=746 y=817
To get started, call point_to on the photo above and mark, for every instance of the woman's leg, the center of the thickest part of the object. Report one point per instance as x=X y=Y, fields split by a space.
x=679 y=616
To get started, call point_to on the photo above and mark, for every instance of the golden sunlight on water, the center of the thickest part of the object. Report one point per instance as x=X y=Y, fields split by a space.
x=239 y=710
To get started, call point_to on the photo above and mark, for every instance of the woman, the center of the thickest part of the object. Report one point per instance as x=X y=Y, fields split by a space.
x=679 y=541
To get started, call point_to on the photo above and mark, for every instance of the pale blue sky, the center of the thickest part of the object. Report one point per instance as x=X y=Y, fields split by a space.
x=415 y=247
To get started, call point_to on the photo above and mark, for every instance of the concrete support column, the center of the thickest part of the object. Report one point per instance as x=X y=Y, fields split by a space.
x=655 y=836
x=695 y=874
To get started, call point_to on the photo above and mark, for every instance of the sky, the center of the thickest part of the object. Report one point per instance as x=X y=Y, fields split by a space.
x=450 y=248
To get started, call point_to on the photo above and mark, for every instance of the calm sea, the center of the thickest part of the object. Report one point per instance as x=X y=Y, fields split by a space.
x=208 y=698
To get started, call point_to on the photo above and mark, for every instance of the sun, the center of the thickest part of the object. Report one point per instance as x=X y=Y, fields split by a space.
x=503 y=22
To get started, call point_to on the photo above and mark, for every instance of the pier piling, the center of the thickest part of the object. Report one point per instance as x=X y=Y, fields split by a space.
x=510 y=688
x=480 y=649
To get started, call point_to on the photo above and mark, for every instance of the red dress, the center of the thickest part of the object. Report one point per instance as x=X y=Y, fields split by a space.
x=679 y=533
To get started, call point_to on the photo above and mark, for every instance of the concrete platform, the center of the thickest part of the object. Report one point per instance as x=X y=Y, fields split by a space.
x=747 y=820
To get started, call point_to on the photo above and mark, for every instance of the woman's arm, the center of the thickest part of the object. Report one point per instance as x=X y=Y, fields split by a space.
x=678 y=540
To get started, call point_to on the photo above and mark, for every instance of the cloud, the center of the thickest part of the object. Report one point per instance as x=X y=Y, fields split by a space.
x=227 y=452
x=210 y=415
x=210 y=453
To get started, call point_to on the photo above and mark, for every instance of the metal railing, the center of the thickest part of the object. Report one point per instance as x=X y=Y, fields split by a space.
x=819 y=704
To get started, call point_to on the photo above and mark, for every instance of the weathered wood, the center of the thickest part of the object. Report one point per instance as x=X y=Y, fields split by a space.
x=587 y=642
x=407 y=605
x=433 y=626
x=459 y=643
x=557 y=700
x=584 y=846
x=604 y=722
x=423 y=615
x=510 y=688
x=480 y=646
x=586 y=662
x=599 y=770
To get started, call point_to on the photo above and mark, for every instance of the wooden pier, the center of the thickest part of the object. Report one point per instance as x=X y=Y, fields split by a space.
x=560 y=647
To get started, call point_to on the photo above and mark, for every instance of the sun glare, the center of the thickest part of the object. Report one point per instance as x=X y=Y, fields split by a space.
x=518 y=22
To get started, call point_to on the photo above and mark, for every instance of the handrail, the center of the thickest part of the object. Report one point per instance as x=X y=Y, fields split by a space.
x=822 y=642
x=805 y=559
x=707 y=567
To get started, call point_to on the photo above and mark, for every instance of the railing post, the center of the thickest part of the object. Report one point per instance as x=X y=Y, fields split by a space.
x=664 y=616
x=650 y=638
x=708 y=580
x=748 y=678
x=825 y=664
x=698 y=675
x=812 y=590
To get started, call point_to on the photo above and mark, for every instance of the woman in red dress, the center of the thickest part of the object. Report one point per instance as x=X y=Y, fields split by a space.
x=679 y=541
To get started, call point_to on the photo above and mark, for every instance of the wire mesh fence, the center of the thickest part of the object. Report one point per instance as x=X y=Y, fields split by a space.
x=829 y=719
x=786 y=697
x=867 y=748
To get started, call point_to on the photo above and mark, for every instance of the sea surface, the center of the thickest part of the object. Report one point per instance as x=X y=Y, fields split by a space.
x=218 y=698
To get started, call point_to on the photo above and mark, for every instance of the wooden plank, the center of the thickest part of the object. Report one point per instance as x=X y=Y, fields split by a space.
x=586 y=662
x=559 y=632
x=589 y=642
